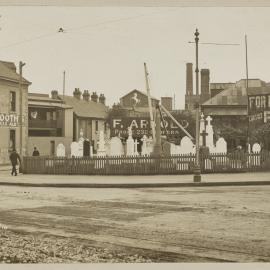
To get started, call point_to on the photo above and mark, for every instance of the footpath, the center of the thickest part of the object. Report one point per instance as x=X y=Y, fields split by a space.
x=132 y=181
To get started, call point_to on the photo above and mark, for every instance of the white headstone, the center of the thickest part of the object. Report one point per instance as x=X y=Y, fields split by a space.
x=101 y=151
x=74 y=147
x=136 y=147
x=221 y=146
x=149 y=145
x=144 y=145
x=256 y=148
x=210 y=134
x=202 y=128
x=116 y=147
x=130 y=143
x=60 y=150
x=187 y=146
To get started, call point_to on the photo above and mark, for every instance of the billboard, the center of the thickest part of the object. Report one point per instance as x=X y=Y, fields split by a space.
x=141 y=126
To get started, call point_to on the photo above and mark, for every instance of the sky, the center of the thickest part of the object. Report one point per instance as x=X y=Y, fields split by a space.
x=103 y=49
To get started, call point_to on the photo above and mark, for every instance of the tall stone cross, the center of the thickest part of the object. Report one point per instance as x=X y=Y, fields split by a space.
x=204 y=134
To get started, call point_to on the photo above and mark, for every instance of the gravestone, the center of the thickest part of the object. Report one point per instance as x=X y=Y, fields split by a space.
x=144 y=145
x=210 y=134
x=149 y=145
x=202 y=130
x=136 y=147
x=60 y=150
x=187 y=146
x=256 y=148
x=74 y=147
x=221 y=146
x=130 y=143
x=167 y=148
x=116 y=147
x=86 y=148
x=101 y=151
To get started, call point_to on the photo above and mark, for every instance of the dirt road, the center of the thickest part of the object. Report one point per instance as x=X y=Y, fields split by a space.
x=162 y=224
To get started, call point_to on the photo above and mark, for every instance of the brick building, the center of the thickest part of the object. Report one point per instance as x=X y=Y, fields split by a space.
x=13 y=111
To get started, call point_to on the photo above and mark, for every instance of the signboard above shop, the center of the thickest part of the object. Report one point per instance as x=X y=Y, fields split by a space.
x=141 y=126
x=10 y=120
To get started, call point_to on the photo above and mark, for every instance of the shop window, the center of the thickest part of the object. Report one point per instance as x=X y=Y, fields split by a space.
x=12 y=139
x=12 y=101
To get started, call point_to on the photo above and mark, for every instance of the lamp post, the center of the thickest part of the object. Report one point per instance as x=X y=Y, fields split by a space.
x=197 y=168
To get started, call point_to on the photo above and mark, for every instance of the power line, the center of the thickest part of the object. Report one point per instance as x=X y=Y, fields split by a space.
x=214 y=43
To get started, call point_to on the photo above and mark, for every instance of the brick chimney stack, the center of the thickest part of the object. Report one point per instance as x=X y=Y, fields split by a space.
x=77 y=93
x=54 y=94
x=189 y=79
x=94 y=97
x=102 y=99
x=205 y=89
x=86 y=95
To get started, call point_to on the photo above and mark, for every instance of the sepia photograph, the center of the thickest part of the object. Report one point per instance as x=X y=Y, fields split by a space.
x=134 y=134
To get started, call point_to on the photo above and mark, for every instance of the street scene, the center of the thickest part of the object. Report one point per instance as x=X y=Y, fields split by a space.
x=134 y=135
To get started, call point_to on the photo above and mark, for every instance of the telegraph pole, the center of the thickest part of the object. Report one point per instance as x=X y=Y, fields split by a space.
x=21 y=64
x=197 y=168
x=64 y=85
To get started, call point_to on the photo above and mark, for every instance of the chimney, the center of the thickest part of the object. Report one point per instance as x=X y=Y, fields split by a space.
x=54 y=94
x=94 y=97
x=102 y=99
x=205 y=90
x=86 y=95
x=77 y=93
x=167 y=103
x=189 y=79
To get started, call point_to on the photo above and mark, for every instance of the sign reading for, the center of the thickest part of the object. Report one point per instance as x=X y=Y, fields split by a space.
x=9 y=120
x=141 y=126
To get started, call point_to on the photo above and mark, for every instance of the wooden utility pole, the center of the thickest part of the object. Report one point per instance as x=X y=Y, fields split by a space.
x=21 y=64
x=64 y=85
x=152 y=123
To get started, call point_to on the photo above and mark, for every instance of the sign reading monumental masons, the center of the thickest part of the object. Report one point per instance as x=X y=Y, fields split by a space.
x=9 y=120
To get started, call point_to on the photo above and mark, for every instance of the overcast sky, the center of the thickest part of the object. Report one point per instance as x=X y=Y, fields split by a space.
x=103 y=49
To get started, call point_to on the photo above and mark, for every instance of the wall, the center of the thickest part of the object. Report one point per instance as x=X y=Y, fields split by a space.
x=43 y=144
x=5 y=88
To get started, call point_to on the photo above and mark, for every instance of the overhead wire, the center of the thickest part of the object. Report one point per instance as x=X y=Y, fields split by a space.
x=68 y=30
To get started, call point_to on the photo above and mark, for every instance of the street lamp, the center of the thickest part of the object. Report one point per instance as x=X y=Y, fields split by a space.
x=197 y=167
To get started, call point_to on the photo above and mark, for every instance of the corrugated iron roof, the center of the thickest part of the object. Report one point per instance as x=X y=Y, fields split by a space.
x=259 y=90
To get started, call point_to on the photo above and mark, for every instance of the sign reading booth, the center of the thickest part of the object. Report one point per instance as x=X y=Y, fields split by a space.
x=9 y=120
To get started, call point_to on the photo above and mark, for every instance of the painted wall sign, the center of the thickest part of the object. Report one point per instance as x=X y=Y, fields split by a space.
x=141 y=126
x=9 y=120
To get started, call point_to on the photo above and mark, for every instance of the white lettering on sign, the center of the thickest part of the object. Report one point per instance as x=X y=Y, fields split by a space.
x=116 y=122
x=144 y=123
x=134 y=124
x=9 y=120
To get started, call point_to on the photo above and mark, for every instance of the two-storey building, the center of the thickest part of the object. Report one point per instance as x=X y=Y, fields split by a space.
x=13 y=111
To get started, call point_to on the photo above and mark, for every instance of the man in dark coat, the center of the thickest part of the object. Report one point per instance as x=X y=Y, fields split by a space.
x=35 y=152
x=14 y=158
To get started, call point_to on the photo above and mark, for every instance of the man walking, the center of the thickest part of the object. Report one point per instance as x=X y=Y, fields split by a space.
x=14 y=157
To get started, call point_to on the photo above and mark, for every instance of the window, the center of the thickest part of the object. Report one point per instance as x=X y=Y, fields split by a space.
x=96 y=125
x=12 y=139
x=12 y=101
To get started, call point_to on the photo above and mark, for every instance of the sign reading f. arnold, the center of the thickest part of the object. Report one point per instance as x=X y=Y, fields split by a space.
x=141 y=126
x=9 y=120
